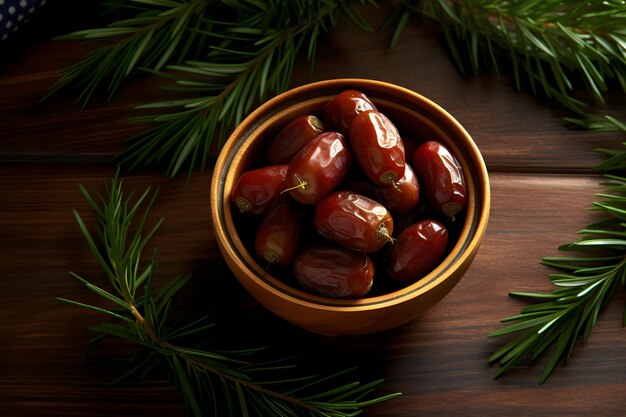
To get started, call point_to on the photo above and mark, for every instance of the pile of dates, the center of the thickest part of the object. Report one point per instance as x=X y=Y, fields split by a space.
x=341 y=200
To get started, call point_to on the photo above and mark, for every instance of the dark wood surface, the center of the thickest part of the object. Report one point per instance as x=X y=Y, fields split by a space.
x=541 y=181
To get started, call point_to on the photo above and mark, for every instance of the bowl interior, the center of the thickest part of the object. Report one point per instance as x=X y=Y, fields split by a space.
x=415 y=116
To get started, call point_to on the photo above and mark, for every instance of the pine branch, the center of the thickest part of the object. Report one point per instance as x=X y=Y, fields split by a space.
x=222 y=67
x=214 y=383
x=224 y=57
x=251 y=58
x=564 y=318
x=568 y=315
x=160 y=32
x=549 y=45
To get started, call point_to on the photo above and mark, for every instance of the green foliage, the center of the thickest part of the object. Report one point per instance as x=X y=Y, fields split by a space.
x=585 y=284
x=224 y=57
x=565 y=317
x=550 y=45
x=249 y=59
x=213 y=383
x=158 y=33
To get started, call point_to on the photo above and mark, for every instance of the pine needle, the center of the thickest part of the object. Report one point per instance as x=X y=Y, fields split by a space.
x=148 y=40
x=564 y=318
x=224 y=58
x=218 y=383
x=551 y=45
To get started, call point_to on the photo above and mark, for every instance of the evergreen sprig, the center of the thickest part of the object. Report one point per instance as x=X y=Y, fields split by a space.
x=249 y=58
x=157 y=33
x=224 y=57
x=550 y=45
x=217 y=383
x=585 y=284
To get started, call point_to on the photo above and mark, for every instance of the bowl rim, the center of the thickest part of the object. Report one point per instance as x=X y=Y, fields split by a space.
x=472 y=231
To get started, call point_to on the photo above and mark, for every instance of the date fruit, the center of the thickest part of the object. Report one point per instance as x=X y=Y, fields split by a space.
x=417 y=251
x=292 y=138
x=318 y=168
x=354 y=221
x=257 y=190
x=334 y=272
x=278 y=234
x=340 y=111
x=442 y=178
x=377 y=147
x=404 y=196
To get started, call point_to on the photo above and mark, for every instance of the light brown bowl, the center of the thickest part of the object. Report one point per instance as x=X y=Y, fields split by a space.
x=415 y=115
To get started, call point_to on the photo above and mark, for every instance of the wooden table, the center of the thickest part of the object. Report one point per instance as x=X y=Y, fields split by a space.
x=541 y=181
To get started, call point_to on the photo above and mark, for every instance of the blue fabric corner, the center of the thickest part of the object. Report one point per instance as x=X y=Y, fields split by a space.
x=14 y=13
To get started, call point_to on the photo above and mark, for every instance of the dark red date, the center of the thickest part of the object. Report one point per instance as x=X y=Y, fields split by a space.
x=378 y=148
x=318 y=168
x=417 y=250
x=340 y=111
x=441 y=177
x=278 y=234
x=404 y=196
x=292 y=138
x=334 y=272
x=257 y=190
x=354 y=221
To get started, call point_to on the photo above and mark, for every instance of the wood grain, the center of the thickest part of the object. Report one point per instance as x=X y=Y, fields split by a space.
x=541 y=185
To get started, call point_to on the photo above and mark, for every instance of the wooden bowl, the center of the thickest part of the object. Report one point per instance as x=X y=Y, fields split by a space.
x=414 y=115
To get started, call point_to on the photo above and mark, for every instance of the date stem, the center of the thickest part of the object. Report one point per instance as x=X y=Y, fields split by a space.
x=383 y=233
x=301 y=184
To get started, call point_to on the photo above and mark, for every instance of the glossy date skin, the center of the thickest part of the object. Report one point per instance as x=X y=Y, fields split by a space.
x=278 y=234
x=340 y=111
x=404 y=196
x=354 y=221
x=257 y=190
x=417 y=250
x=442 y=178
x=334 y=272
x=292 y=138
x=378 y=147
x=318 y=168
